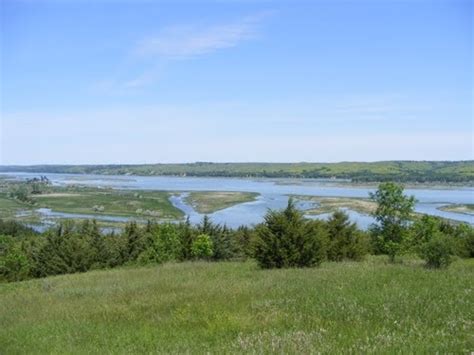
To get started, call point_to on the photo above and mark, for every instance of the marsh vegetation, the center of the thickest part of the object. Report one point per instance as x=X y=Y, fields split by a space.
x=206 y=202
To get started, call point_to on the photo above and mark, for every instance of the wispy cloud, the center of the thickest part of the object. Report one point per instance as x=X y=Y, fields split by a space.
x=180 y=42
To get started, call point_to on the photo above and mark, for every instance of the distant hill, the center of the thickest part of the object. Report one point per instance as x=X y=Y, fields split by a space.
x=402 y=171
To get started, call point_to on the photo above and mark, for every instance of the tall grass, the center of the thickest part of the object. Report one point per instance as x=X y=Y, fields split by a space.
x=197 y=307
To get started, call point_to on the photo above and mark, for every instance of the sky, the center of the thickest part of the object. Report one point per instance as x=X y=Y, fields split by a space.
x=104 y=81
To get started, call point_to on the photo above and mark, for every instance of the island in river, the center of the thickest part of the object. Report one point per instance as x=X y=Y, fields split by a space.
x=118 y=199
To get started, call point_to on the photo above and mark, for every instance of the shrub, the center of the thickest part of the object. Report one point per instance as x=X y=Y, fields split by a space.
x=187 y=235
x=223 y=244
x=245 y=240
x=286 y=239
x=14 y=264
x=346 y=241
x=202 y=247
x=463 y=235
x=437 y=251
x=136 y=242
x=164 y=245
x=15 y=229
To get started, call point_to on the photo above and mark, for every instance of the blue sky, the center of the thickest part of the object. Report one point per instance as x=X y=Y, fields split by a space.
x=180 y=81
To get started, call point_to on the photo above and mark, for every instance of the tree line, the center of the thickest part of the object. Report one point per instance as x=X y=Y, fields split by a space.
x=383 y=171
x=284 y=239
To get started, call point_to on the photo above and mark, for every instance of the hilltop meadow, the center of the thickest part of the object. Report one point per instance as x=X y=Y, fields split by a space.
x=234 y=307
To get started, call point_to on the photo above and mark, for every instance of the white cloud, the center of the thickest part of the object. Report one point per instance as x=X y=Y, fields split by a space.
x=179 y=42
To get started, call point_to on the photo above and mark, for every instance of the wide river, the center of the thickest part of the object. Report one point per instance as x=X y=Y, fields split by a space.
x=273 y=194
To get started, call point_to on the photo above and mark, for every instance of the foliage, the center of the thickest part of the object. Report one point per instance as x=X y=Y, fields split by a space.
x=15 y=229
x=14 y=264
x=20 y=193
x=245 y=239
x=392 y=215
x=164 y=244
x=223 y=243
x=188 y=235
x=436 y=242
x=202 y=247
x=136 y=242
x=437 y=251
x=401 y=171
x=346 y=241
x=286 y=239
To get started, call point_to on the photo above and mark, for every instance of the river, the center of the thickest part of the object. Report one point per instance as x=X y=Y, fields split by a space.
x=273 y=194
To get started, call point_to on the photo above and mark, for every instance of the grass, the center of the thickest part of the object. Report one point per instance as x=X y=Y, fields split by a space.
x=332 y=204
x=141 y=205
x=459 y=208
x=212 y=201
x=110 y=202
x=10 y=207
x=367 y=307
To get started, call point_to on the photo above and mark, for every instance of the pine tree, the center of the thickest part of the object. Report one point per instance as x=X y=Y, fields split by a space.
x=286 y=239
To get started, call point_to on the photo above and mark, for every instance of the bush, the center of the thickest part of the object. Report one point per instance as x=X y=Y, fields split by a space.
x=346 y=241
x=202 y=247
x=463 y=235
x=164 y=245
x=136 y=242
x=437 y=251
x=245 y=240
x=223 y=244
x=15 y=229
x=14 y=264
x=187 y=235
x=286 y=239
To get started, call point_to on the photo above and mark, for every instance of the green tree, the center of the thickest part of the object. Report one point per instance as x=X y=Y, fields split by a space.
x=346 y=241
x=393 y=214
x=245 y=239
x=164 y=244
x=202 y=247
x=286 y=239
x=187 y=234
x=14 y=264
x=223 y=244
x=135 y=240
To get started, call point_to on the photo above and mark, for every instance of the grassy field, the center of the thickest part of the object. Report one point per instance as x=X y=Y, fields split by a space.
x=10 y=207
x=212 y=201
x=367 y=307
x=149 y=204
x=111 y=202
x=465 y=209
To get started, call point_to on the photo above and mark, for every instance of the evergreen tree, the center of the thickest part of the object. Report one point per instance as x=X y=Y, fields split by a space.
x=345 y=239
x=135 y=241
x=187 y=238
x=286 y=239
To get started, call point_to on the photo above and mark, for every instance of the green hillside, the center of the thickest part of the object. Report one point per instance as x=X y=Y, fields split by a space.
x=403 y=171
